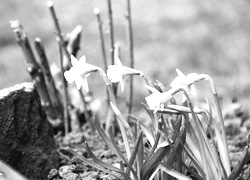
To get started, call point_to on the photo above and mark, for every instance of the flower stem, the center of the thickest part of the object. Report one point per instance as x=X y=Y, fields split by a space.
x=33 y=67
x=200 y=143
x=59 y=35
x=99 y=21
x=65 y=96
x=131 y=50
x=224 y=153
x=121 y=121
x=111 y=28
x=112 y=42
x=86 y=112
x=43 y=61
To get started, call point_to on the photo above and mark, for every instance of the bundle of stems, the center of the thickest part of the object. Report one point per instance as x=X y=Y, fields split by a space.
x=34 y=69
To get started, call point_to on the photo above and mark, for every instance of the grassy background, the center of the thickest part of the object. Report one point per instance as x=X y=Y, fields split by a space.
x=210 y=37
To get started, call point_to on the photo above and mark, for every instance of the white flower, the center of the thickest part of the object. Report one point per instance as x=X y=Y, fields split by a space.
x=116 y=72
x=79 y=71
x=185 y=82
x=157 y=99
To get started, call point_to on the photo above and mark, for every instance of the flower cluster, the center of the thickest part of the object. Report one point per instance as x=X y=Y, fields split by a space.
x=81 y=69
x=115 y=73
x=164 y=103
x=182 y=81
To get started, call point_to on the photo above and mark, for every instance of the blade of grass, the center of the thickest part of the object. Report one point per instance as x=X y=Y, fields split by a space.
x=149 y=167
x=200 y=143
x=121 y=166
x=195 y=174
x=220 y=143
x=108 y=142
x=243 y=160
x=124 y=127
x=111 y=135
x=184 y=109
x=140 y=153
x=190 y=129
x=87 y=162
x=168 y=111
x=194 y=160
x=213 y=154
x=157 y=139
x=224 y=154
x=146 y=130
x=173 y=173
x=121 y=119
x=149 y=112
x=133 y=155
x=187 y=151
x=193 y=147
x=177 y=147
x=101 y=163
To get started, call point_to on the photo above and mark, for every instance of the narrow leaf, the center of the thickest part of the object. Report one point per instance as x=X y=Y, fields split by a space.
x=149 y=167
x=149 y=112
x=101 y=163
x=184 y=109
x=243 y=160
x=140 y=153
x=173 y=172
x=124 y=127
x=115 y=145
x=133 y=155
x=146 y=130
x=107 y=141
x=87 y=162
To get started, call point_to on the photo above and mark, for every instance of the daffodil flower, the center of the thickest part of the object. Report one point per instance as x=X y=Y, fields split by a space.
x=79 y=71
x=116 y=72
x=186 y=82
x=156 y=99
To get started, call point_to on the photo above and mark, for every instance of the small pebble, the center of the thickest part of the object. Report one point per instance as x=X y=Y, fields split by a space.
x=66 y=169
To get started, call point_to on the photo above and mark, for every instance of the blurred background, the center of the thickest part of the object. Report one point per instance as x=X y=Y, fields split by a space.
x=211 y=37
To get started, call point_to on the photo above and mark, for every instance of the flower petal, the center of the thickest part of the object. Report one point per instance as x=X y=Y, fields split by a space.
x=153 y=100
x=74 y=61
x=118 y=61
x=69 y=76
x=85 y=84
x=122 y=85
x=192 y=90
x=114 y=74
x=183 y=99
x=179 y=72
x=82 y=60
x=78 y=82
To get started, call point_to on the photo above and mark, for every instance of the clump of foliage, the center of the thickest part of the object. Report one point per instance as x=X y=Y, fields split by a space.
x=180 y=139
x=177 y=134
